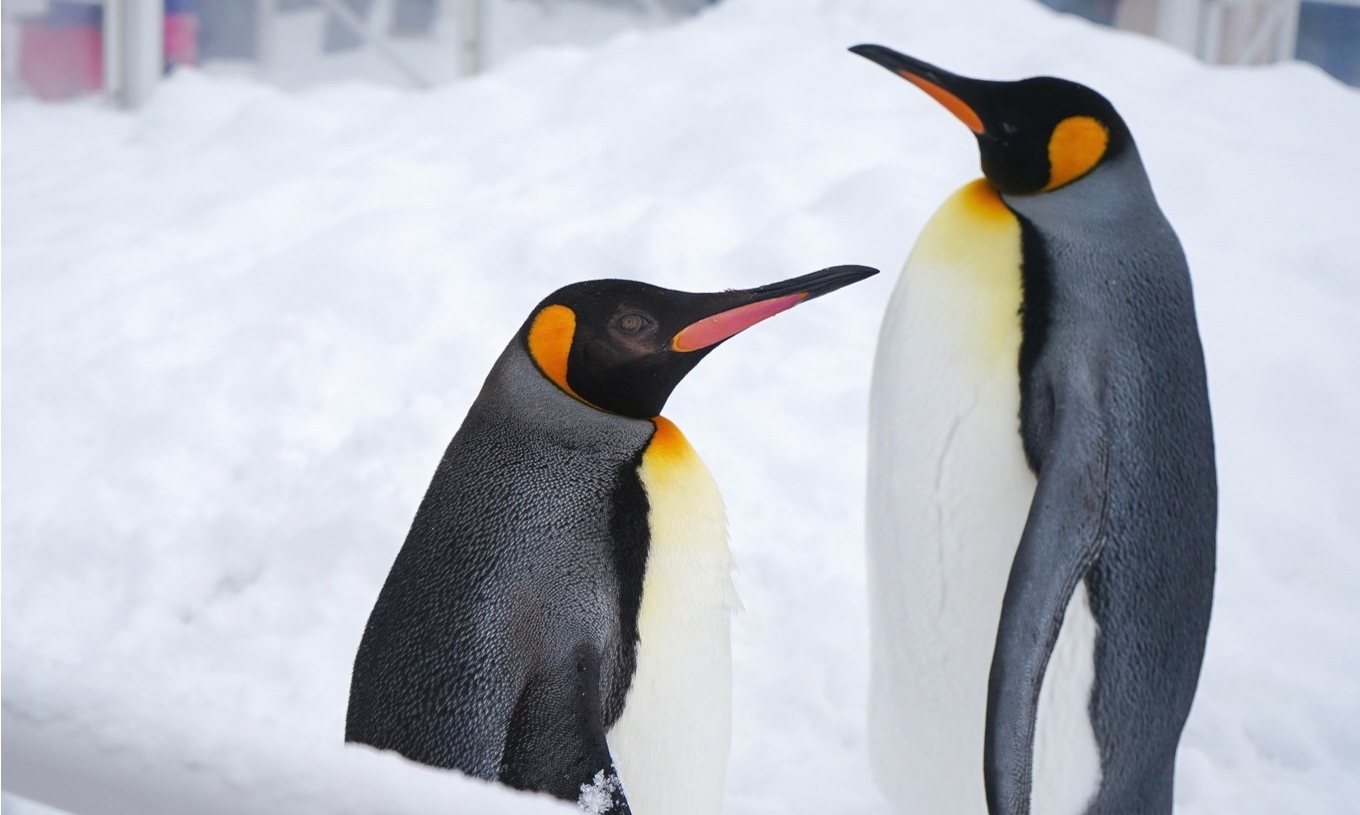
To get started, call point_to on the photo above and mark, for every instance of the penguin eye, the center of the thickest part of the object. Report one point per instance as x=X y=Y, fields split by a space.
x=631 y=323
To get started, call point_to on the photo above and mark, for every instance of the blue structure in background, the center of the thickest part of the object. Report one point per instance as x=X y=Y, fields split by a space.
x=1097 y=11
x=1329 y=37
x=1328 y=34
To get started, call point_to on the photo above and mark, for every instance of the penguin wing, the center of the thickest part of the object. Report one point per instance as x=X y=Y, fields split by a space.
x=1063 y=536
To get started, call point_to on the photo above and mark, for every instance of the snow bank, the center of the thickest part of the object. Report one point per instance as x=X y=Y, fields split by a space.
x=240 y=327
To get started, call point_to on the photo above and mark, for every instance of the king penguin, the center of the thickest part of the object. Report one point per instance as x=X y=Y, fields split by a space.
x=558 y=616
x=1042 y=500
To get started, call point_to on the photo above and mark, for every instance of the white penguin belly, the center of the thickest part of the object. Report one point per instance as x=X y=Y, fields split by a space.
x=949 y=492
x=671 y=742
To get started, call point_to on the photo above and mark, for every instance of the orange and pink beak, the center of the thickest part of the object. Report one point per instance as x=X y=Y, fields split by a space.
x=948 y=89
x=762 y=303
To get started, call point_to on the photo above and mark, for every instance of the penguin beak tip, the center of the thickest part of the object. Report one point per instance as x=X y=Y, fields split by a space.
x=875 y=53
x=837 y=277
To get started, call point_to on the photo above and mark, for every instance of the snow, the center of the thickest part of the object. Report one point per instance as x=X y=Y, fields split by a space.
x=240 y=325
x=598 y=795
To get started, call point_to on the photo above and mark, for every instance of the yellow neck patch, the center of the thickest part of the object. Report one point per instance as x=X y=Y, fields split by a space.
x=961 y=290
x=981 y=200
x=1077 y=145
x=668 y=443
x=550 y=344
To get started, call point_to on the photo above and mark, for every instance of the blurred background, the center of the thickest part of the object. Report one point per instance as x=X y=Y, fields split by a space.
x=60 y=49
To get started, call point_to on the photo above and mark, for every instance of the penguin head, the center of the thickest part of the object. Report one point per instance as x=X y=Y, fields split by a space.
x=622 y=346
x=1035 y=135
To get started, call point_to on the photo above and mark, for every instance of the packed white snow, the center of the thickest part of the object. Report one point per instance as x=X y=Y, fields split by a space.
x=240 y=326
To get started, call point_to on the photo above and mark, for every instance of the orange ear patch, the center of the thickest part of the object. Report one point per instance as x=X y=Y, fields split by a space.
x=951 y=103
x=1077 y=144
x=550 y=343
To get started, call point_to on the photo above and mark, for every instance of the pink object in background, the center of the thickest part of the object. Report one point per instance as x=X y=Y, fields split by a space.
x=61 y=58
x=181 y=39
x=61 y=61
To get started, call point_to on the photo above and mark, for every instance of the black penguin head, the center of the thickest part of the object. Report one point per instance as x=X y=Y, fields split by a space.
x=622 y=346
x=1035 y=135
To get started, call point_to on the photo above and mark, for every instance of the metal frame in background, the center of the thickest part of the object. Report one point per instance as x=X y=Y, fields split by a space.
x=134 y=43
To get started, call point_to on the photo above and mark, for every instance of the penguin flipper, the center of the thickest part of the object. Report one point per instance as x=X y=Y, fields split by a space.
x=1063 y=536
x=556 y=740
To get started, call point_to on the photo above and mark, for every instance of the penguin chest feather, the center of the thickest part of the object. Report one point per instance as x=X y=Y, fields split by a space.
x=671 y=742
x=949 y=493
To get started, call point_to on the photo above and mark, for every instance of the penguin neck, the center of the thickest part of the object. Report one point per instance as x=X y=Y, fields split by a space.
x=1115 y=191
x=517 y=389
x=1071 y=238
